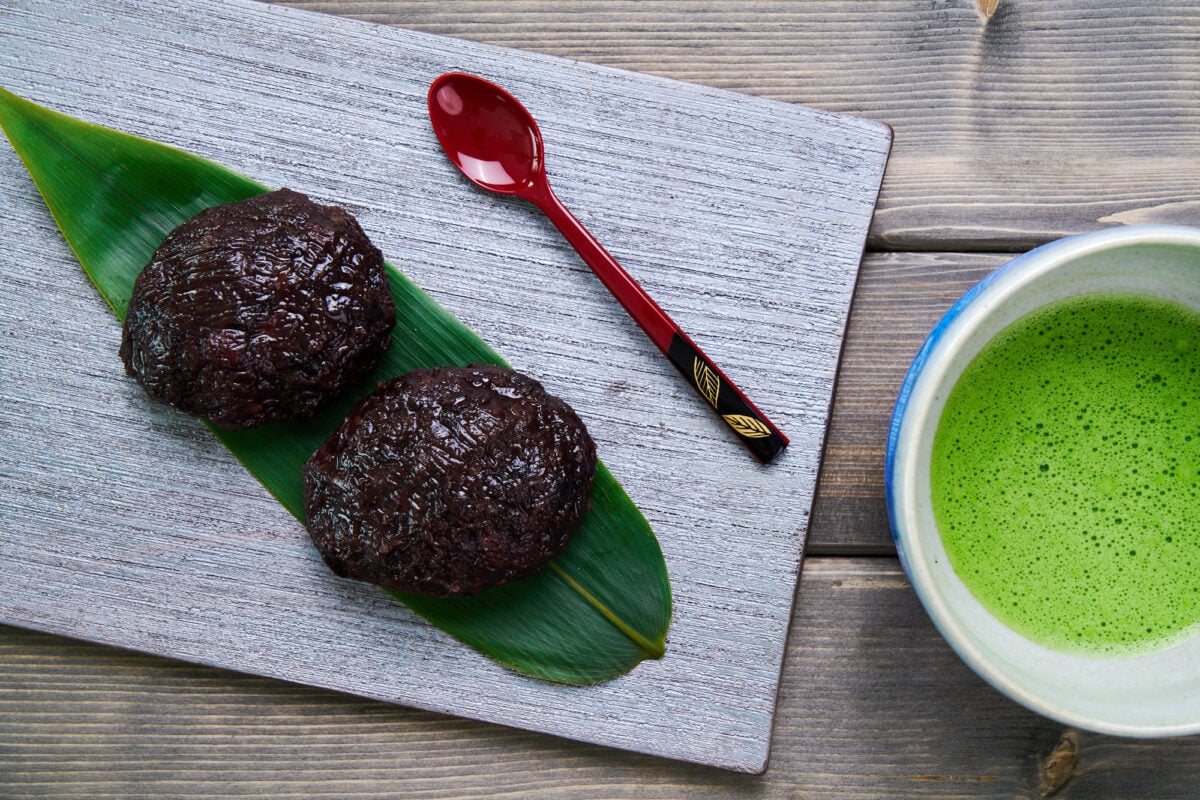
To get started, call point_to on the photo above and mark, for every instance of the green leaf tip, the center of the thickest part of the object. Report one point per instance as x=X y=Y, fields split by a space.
x=654 y=649
x=605 y=603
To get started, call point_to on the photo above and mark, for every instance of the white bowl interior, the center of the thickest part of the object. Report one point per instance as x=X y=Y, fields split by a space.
x=1146 y=695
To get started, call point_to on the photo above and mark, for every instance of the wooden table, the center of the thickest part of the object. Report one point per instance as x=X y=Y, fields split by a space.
x=1052 y=117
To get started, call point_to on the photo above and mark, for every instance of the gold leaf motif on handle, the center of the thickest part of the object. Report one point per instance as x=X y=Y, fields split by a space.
x=747 y=426
x=988 y=7
x=706 y=381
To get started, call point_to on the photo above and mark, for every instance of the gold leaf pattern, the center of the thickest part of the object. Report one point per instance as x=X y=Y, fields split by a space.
x=706 y=381
x=747 y=426
x=988 y=7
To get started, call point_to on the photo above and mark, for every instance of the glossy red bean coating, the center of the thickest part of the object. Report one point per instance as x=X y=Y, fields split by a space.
x=258 y=310
x=448 y=481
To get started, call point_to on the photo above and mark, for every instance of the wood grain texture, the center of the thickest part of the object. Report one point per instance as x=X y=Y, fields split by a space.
x=873 y=704
x=899 y=298
x=1057 y=116
x=1050 y=117
x=755 y=255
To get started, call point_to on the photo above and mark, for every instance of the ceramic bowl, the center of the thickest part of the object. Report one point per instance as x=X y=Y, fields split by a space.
x=1152 y=694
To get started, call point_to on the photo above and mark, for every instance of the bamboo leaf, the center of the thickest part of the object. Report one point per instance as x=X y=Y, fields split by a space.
x=603 y=605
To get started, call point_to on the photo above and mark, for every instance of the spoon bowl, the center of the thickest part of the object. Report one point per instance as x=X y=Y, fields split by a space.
x=496 y=143
x=487 y=134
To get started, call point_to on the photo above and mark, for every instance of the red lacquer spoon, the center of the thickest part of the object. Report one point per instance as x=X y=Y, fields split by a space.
x=495 y=142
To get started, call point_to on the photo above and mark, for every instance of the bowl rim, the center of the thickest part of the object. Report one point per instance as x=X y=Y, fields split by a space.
x=1000 y=282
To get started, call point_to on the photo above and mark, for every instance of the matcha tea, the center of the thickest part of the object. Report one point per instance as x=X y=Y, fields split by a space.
x=1066 y=475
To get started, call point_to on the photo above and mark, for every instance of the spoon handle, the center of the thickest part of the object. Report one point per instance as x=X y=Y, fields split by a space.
x=750 y=425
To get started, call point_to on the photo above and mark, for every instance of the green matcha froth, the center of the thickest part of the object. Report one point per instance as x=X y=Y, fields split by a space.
x=1066 y=475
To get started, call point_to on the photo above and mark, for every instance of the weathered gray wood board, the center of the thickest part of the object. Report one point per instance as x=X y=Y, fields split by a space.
x=1052 y=117
x=124 y=523
x=873 y=705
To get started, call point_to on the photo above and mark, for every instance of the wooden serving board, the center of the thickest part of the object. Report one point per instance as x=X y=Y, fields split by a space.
x=125 y=523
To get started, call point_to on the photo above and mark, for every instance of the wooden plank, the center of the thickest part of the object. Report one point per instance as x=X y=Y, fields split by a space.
x=1051 y=117
x=874 y=704
x=755 y=254
x=900 y=297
